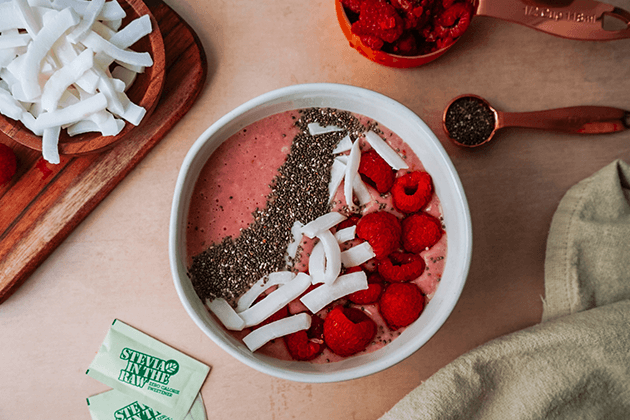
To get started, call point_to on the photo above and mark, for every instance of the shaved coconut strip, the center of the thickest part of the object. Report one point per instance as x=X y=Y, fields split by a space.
x=289 y=325
x=344 y=145
x=9 y=106
x=50 y=140
x=342 y=159
x=9 y=17
x=346 y=234
x=125 y=75
x=385 y=151
x=105 y=85
x=132 y=113
x=318 y=298
x=126 y=37
x=337 y=172
x=7 y=56
x=315 y=129
x=103 y=30
x=72 y=113
x=352 y=168
x=296 y=231
x=357 y=255
x=317 y=263
x=28 y=19
x=66 y=53
x=12 y=41
x=40 y=46
x=111 y=10
x=89 y=17
x=111 y=127
x=274 y=279
x=333 y=256
x=29 y=122
x=322 y=223
x=64 y=77
x=113 y=24
x=226 y=314
x=362 y=193
x=275 y=300
x=100 y=44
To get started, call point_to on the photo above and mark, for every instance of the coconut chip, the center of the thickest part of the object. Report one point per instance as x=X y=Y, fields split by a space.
x=318 y=298
x=322 y=223
x=357 y=255
x=385 y=151
x=226 y=314
x=277 y=329
x=262 y=285
x=315 y=129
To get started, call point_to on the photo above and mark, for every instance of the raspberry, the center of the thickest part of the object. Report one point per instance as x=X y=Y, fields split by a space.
x=401 y=304
x=377 y=171
x=371 y=294
x=8 y=163
x=353 y=5
x=348 y=331
x=412 y=191
x=405 y=45
x=378 y=19
x=382 y=231
x=350 y=221
x=400 y=266
x=420 y=231
x=306 y=345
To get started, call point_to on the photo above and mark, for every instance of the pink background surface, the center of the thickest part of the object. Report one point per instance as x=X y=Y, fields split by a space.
x=115 y=264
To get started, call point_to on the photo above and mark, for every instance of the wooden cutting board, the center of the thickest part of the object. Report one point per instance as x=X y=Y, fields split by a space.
x=43 y=203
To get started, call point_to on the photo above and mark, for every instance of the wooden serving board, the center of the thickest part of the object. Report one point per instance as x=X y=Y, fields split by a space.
x=43 y=203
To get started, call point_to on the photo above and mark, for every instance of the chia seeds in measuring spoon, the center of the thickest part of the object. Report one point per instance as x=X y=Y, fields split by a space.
x=469 y=121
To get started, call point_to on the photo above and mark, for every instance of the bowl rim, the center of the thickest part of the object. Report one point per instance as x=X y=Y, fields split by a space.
x=176 y=260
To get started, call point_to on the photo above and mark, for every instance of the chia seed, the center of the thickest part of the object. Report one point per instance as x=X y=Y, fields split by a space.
x=469 y=121
x=299 y=192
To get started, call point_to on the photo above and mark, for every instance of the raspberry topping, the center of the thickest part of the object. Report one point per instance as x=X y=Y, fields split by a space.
x=378 y=19
x=354 y=5
x=412 y=191
x=400 y=267
x=8 y=163
x=420 y=231
x=371 y=294
x=348 y=331
x=306 y=345
x=377 y=171
x=401 y=304
x=381 y=230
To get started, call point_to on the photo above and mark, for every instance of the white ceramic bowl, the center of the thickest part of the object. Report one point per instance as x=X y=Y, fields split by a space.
x=448 y=187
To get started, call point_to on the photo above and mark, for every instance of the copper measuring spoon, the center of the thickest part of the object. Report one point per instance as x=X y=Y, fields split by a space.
x=470 y=121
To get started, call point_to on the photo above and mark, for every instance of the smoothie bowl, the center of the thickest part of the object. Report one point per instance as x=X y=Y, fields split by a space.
x=294 y=238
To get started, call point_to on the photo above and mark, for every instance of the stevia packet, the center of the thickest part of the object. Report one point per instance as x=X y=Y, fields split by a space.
x=155 y=374
x=114 y=405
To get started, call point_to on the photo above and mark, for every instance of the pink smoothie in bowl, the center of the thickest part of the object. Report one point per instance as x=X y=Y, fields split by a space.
x=247 y=192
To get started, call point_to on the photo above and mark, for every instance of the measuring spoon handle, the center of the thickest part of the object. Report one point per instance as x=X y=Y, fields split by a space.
x=573 y=19
x=577 y=119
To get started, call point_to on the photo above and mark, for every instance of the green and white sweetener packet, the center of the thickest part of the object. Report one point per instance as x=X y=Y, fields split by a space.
x=148 y=371
x=114 y=405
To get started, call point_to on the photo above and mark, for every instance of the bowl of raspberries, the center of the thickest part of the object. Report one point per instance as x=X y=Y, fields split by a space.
x=349 y=284
x=404 y=33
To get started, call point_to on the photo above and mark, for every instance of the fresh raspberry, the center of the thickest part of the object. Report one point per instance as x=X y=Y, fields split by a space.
x=350 y=221
x=8 y=163
x=348 y=331
x=353 y=5
x=372 y=41
x=379 y=19
x=405 y=45
x=412 y=191
x=377 y=171
x=401 y=304
x=371 y=294
x=420 y=231
x=400 y=267
x=306 y=344
x=382 y=231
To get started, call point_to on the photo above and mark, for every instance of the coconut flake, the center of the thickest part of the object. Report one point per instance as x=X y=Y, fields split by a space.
x=385 y=151
x=345 y=234
x=50 y=140
x=275 y=300
x=226 y=314
x=317 y=263
x=361 y=191
x=352 y=169
x=292 y=248
x=337 y=172
x=315 y=129
x=262 y=285
x=277 y=329
x=332 y=254
x=357 y=255
x=101 y=45
x=318 y=298
x=64 y=77
x=72 y=113
x=322 y=223
x=344 y=145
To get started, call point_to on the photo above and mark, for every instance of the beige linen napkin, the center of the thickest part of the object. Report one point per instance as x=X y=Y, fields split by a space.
x=575 y=364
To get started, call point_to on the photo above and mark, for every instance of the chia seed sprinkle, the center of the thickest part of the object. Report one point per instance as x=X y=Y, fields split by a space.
x=469 y=121
x=299 y=192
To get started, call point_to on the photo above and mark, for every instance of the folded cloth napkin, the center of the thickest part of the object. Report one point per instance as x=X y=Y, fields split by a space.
x=576 y=363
